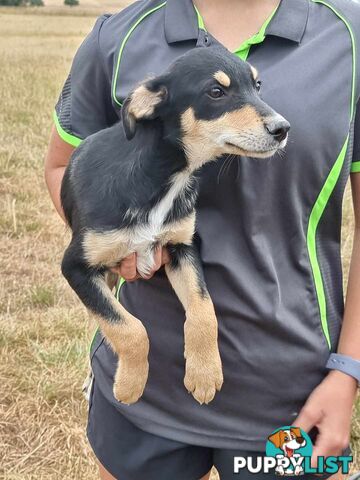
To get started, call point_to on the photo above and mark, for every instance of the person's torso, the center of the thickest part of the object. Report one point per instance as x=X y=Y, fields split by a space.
x=269 y=230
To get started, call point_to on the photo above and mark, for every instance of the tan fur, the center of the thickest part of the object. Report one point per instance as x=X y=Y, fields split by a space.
x=143 y=102
x=222 y=78
x=198 y=135
x=109 y=248
x=254 y=72
x=130 y=342
x=105 y=248
x=180 y=232
x=128 y=338
x=203 y=374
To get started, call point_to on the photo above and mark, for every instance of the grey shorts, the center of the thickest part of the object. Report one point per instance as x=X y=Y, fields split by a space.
x=129 y=453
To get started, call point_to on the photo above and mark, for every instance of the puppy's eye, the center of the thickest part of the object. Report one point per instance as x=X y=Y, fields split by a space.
x=258 y=85
x=216 y=92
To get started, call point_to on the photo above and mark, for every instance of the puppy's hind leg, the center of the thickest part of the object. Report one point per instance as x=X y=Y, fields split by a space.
x=203 y=375
x=125 y=333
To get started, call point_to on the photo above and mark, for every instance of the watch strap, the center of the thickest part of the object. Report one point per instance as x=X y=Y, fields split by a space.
x=344 y=364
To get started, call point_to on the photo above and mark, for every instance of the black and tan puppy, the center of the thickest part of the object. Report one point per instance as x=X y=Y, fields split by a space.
x=132 y=187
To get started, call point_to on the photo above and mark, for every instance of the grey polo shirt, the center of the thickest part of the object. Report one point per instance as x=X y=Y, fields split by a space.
x=269 y=230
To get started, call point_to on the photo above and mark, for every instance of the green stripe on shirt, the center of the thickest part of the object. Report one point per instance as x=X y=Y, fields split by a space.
x=355 y=167
x=67 y=137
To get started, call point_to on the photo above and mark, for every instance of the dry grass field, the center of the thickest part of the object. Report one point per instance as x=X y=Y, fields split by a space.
x=44 y=331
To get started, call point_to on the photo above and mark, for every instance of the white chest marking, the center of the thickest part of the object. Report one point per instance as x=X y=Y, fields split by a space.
x=144 y=236
x=159 y=213
x=108 y=248
x=148 y=232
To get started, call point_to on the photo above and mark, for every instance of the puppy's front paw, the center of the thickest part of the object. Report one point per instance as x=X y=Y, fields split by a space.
x=130 y=381
x=203 y=377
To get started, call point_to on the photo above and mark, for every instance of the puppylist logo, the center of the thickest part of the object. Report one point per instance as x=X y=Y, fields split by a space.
x=289 y=446
x=288 y=452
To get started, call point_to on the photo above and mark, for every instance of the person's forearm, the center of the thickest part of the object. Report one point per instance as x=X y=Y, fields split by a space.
x=350 y=333
x=330 y=405
x=57 y=158
x=53 y=179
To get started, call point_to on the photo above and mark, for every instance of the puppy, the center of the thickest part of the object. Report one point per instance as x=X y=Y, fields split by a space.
x=132 y=188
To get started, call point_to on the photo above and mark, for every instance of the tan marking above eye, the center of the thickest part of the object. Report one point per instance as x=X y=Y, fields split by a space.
x=222 y=78
x=254 y=72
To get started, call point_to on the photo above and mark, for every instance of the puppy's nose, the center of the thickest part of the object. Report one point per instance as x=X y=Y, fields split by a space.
x=300 y=439
x=278 y=128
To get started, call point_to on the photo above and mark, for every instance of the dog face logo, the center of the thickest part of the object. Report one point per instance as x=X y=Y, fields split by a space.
x=288 y=440
x=289 y=445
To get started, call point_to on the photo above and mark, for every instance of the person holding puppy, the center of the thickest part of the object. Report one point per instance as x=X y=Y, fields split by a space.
x=268 y=232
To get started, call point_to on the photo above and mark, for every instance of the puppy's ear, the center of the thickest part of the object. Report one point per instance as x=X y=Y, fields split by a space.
x=142 y=104
x=128 y=119
x=296 y=431
x=275 y=439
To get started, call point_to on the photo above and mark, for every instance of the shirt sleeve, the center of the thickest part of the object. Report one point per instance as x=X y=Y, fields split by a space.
x=355 y=166
x=84 y=106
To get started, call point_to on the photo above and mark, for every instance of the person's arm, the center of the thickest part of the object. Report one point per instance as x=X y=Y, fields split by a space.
x=350 y=333
x=329 y=407
x=57 y=158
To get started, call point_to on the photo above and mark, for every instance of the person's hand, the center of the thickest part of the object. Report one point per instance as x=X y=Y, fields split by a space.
x=127 y=267
x=329 y=408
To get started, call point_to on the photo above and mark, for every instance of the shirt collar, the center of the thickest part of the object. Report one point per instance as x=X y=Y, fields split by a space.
x=181 y=21
x=289 y=21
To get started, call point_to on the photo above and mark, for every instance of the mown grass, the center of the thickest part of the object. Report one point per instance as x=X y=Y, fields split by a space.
x=44 y=332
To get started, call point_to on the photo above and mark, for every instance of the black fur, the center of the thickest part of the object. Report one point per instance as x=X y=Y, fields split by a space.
x=127 y=167
x=111 y=174
x=117 y=176
x=188 y=254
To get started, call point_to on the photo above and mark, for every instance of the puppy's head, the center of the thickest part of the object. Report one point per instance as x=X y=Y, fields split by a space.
x=209 y=104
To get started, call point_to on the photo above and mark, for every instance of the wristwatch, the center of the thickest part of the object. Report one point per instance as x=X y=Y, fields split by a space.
x=344 y=364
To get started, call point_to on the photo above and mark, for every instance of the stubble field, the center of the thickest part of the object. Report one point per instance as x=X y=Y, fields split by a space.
x=44 y=331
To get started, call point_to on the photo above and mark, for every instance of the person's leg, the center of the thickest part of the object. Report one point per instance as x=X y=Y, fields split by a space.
x=129 y=453
x=207 y=476
x=105 y=475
